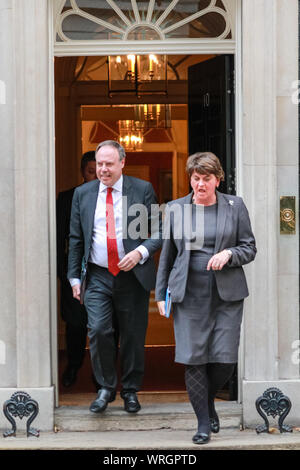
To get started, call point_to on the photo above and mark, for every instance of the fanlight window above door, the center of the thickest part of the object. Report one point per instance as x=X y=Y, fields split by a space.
x=139 y=20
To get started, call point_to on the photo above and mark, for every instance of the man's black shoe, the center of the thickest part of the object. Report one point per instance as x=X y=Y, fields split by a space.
x=104 y=397
x=131 y=403
x=69 y=376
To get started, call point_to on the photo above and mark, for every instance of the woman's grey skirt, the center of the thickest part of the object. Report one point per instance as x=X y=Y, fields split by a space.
x=207 y=328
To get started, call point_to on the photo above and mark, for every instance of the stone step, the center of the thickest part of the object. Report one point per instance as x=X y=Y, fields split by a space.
x=173 y=416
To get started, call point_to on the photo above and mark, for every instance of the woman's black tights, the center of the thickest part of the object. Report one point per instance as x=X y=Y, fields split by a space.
x=218 y=374
x=202 y=383
x=196 y=385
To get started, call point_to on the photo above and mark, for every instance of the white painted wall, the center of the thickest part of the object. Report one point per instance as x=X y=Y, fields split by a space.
x=8 y=376
x=270 y=169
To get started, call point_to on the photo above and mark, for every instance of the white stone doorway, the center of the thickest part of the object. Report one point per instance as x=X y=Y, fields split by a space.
x=85 y=115
x=74 y=38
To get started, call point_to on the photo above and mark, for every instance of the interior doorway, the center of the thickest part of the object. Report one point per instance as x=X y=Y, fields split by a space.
x=200 y=95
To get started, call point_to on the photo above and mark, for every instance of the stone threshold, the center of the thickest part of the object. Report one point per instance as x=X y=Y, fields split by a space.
x=154 y=416
x=158 y=426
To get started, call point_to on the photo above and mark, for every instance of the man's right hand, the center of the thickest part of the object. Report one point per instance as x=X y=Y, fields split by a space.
x=76 y=291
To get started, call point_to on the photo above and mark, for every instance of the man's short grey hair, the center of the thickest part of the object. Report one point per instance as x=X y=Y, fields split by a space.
x=115 y=144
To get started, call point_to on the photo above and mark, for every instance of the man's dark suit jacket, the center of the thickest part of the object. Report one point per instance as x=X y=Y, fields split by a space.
x=84 y=203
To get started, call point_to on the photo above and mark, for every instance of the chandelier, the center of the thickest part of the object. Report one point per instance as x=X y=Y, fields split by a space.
x=138 y=74
x=148 y=116
x=130 y=136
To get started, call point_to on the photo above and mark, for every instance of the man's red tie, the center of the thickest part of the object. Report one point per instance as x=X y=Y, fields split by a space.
x=112 y=248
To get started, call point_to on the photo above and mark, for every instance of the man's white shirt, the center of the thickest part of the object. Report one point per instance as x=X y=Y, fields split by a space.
x=98 y=253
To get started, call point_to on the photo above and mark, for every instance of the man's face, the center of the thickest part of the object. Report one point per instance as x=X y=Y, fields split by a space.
x=108 y=165
x=89 y=172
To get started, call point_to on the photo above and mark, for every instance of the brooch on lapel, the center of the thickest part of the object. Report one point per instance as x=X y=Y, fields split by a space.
x=231 y=202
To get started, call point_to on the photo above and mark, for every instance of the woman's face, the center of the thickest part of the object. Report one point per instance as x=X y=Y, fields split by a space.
x=204 y=187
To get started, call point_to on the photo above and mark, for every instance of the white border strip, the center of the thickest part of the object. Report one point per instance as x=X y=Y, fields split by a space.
x=168 y=46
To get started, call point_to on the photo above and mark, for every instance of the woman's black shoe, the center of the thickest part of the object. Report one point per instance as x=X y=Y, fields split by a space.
x=201 y=438
x=214 y=425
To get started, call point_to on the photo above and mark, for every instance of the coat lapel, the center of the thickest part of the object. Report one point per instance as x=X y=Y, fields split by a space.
x=92 y=203
x=128 y=200
x=127 y=191
x=221 y=219
x=187 y=200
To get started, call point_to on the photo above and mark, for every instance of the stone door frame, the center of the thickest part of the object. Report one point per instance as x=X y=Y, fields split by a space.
x=90 y=48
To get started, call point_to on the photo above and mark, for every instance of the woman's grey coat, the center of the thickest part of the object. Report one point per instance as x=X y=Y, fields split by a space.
x=233 y=232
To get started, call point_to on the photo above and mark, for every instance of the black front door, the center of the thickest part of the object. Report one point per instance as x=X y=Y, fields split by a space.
x=211 y=113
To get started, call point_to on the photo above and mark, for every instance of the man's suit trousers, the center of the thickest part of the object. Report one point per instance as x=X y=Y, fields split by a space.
x=124 y=298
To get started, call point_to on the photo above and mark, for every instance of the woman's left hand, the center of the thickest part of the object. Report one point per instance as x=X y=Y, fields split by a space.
x=219 y=260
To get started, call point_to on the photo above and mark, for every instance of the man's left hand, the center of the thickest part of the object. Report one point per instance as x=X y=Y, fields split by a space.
x=130 y=260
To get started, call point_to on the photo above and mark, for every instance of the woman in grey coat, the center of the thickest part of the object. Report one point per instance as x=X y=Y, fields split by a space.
x=207 y=239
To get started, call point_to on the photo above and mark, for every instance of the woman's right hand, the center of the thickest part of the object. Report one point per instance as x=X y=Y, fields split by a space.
x=161 y=308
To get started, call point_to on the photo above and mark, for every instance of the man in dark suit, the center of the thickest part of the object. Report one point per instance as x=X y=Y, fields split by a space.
x=112 y=270
x=73 y=313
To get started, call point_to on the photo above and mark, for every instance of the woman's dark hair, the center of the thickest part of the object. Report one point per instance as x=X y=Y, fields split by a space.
x=205 y=163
